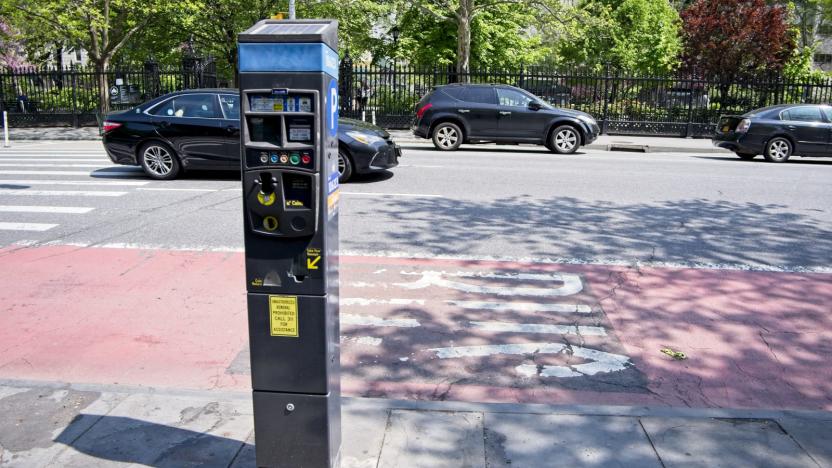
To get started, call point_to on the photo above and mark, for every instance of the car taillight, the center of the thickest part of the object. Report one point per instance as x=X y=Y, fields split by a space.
x=110 y=126
x=743 y=126
x=421 y=112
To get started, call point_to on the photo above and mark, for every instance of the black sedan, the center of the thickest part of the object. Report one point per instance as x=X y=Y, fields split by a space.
x=777 y=132
x=200 y=129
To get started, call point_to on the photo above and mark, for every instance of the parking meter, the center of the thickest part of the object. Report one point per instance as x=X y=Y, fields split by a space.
x=289 y=142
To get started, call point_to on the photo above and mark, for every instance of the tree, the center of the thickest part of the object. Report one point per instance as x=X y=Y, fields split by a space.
x=461 y=15
x=500 y=37
x=101 y=27
x=635 y=35
x=808 y=16
x=11 y=50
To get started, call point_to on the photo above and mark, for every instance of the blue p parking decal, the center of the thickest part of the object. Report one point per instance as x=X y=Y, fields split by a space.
x=332 y=108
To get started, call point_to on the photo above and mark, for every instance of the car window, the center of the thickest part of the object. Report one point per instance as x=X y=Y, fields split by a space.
x=230 y=104
x=828 y=112
x=202 y=106
x=454 y=92
x=803 y=114
x=479 y=95
x=512 y=98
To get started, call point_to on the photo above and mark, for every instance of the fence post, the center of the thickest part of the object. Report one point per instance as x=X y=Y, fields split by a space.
x=689 y=128
x=605 y=116
x=345 y=81
x=75 y=118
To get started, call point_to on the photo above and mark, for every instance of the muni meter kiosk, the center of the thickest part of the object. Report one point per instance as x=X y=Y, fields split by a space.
x=289 y=153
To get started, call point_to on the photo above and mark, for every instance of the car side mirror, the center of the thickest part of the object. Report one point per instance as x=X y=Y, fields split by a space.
x=535 y=106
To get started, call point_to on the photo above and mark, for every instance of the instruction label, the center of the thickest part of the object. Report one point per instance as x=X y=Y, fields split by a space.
x=313 y=258
x=283 y=316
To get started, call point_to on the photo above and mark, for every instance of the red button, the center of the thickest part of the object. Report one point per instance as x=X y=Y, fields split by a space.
x=306 y=159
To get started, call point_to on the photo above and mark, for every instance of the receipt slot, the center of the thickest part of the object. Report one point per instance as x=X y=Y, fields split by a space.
x=289 y=142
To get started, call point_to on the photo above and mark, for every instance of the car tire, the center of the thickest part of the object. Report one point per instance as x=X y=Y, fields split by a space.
x=564 y=140
x=345 y=167
x=159 y=161
x=778 y=150
x=447 y=136
x=746 y=156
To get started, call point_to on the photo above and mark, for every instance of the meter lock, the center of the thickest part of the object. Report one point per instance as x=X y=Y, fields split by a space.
x=281 y=203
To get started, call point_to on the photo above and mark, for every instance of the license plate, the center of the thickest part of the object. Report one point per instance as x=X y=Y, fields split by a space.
x=725 y=129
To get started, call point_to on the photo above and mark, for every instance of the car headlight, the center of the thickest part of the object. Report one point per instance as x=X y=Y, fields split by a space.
x=365 y=138
x=587 y=120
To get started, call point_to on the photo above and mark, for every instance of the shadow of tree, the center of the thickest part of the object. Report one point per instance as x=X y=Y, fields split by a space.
x=691 y=230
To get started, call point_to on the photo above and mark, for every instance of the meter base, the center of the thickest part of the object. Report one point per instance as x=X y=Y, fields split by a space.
x=294 y=430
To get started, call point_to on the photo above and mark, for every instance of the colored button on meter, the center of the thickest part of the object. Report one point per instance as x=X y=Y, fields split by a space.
x=306 y=159
x=274 y=158
x=284 y=158
x=294 y=159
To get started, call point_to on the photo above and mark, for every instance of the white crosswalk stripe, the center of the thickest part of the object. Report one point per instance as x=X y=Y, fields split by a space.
x=25 y=226
x=103 y=183
x=62 y=193
x=48 y=165
x=112 y=173
x=45 y=209
x=42 y=160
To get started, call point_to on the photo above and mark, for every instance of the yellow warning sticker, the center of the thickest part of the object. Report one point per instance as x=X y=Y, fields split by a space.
x=283 y=316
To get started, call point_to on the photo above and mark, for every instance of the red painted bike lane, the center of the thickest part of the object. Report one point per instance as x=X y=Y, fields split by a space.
x=433 y=329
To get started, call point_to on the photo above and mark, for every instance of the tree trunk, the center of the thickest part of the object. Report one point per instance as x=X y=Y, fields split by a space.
x=101 y=67
x=463 y=40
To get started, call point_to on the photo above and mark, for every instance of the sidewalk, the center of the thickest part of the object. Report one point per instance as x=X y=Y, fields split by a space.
x=49 y=424
x=603 y=143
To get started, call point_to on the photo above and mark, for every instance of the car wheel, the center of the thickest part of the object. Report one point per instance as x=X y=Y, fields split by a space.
x=344 y=167
x=778 y=150
x=564 y=140
x=447 y=136
x=746 y=156
x=159 y=161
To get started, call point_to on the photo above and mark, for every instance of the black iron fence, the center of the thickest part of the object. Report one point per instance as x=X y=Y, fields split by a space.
x=684 y=104
x=623 y=103
x=72 y=96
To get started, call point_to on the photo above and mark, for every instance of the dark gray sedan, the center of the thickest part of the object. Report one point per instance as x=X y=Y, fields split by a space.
x=778 y=132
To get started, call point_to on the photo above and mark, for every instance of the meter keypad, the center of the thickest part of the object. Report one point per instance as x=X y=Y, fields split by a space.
x=302 y=159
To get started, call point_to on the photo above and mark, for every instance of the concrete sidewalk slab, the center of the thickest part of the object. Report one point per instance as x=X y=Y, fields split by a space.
x=712 y=443
x=54 y=424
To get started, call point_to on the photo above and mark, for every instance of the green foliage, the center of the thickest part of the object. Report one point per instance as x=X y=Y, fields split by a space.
x=633 y=35
x=499 y=38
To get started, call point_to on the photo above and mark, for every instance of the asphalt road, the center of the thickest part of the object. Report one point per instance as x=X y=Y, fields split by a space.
x=489 y=201
x=489 y=274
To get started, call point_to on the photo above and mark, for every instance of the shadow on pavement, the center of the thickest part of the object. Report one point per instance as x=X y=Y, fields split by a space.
x=128 y=440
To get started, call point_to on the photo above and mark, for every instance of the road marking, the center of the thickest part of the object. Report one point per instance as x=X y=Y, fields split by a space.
x=420 y=166
x=601 y=361
x=62 y=193
x=559 y=308
x=363 y=340
x=26 y=226
x=45 y=209
x=377 y=194
x=72 y=182
x=368 y=320
x=571 y=284
x=360 y=301
x=50 y=165
x=505 y=327
x=117 y=173
x=161 y=189
x=605 y=261
x=364 y=284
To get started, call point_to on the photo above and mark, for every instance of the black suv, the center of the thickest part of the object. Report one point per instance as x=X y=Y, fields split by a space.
x=473 y=113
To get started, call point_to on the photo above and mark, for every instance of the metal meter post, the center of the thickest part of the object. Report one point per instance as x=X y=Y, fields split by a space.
x=289 y=136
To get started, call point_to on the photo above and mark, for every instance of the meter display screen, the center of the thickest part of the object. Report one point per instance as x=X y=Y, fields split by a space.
x=300 y=129
x=297 y=190
x=264 y=129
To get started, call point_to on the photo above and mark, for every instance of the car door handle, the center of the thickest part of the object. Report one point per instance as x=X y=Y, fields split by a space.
x=505 y=113
x=463 y=111
x=791 y=127
x=161 y=123
x=230 y=129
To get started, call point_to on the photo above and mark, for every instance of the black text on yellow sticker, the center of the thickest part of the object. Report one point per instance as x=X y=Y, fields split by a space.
x=270 y=223
x=283 y=316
